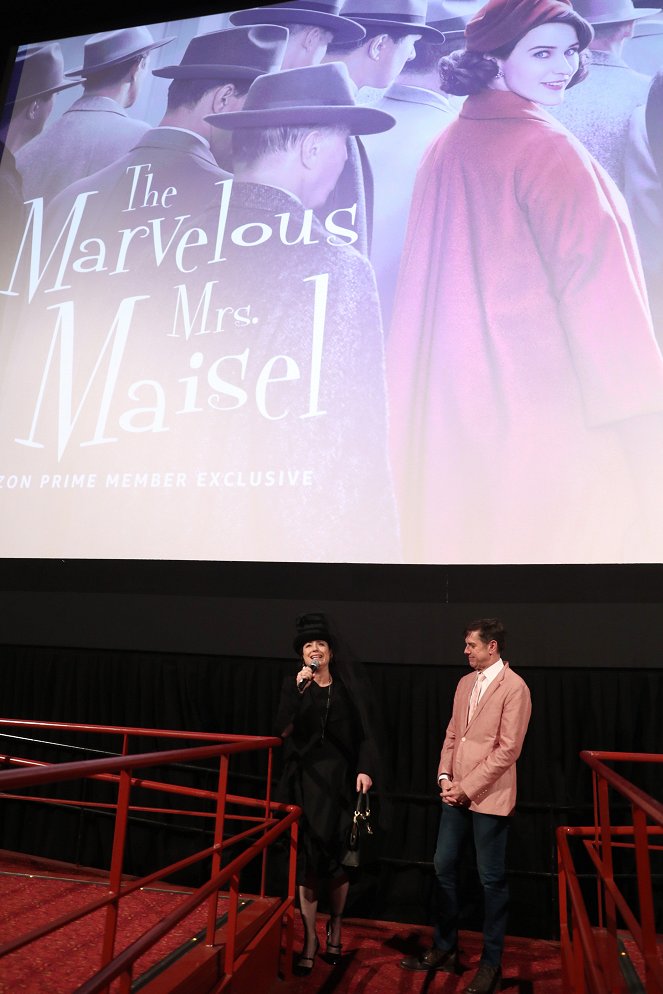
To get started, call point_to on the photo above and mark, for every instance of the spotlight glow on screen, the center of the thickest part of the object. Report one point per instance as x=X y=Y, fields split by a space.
x=207 y=352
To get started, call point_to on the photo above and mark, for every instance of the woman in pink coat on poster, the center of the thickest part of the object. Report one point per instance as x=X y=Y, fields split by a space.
x=526 y=384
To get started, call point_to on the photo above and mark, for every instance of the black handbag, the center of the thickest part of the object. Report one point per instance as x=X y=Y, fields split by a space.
x=360 y=830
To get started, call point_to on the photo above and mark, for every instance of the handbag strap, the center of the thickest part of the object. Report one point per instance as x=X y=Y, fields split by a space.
x=363 y=811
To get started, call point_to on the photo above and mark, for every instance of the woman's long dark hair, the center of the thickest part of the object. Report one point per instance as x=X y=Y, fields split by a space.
x=463 y=73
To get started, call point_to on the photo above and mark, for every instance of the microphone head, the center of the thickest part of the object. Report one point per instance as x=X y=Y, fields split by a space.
x=314 y=664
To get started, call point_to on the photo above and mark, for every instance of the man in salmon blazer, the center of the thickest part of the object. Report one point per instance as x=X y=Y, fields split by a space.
x=477 y=781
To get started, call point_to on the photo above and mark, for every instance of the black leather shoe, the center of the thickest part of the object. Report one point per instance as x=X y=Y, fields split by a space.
x=304 y=964
x=434 y=959
x=485 y=980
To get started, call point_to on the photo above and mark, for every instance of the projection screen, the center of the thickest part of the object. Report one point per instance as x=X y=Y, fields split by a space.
x=207 y=352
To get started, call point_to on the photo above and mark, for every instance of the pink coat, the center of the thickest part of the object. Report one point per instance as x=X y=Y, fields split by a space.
x=481 y=757
x=521 y=342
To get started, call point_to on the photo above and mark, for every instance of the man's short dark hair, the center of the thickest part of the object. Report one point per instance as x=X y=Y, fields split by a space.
x=488 y=629
x=18 y=107
x=608 y=32
x=427 y=55
x=187 y=92
x=299 y=29
x=112 y=75
x=251 y=144
x=345 y=48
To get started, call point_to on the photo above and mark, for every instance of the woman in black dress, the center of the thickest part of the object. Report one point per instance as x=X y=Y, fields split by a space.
x=329 y=757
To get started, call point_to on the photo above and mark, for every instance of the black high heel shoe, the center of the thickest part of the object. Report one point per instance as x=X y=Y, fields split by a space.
x=333 y=951
x=304 y=964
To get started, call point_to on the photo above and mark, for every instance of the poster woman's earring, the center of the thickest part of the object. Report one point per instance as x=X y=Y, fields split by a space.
x=496 y=66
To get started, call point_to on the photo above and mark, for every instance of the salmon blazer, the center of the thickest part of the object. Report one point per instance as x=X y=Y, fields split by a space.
x=481 y=756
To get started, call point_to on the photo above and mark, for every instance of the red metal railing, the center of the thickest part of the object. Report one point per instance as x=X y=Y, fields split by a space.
x=591 y=953
x=273 y=821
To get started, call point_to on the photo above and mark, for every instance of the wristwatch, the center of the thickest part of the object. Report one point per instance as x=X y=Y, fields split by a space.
x=443 y=776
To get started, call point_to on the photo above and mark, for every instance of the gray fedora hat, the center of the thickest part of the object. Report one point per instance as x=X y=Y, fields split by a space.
x=612 y=11
x=314 y=95
x=408 y=15
x=451 y=16
x=110 y=48
x=38 y=72
x=318 y=13
x=233 y=53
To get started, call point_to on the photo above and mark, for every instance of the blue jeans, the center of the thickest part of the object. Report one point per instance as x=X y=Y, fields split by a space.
x=490 y=836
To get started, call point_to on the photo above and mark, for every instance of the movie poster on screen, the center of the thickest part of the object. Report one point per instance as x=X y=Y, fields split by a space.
x=196 y=367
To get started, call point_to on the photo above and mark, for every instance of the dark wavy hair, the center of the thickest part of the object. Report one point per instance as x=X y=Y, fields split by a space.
x=488 y=629
x=463 y=73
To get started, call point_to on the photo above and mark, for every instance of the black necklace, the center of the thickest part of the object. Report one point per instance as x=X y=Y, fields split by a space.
x=325 y=717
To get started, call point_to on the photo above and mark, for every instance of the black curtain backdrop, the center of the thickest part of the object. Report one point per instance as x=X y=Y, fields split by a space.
x=573 y=709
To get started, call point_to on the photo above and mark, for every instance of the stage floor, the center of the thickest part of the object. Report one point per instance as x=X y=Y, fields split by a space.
x=33 y=891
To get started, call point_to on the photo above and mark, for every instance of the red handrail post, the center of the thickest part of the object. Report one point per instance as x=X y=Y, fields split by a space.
x=597 y=845
x=268 y=798
x=645 y=896
x=290 y=910
x=231 y=931
x=564 y=930
x=117 y=863
x=126 y=981
x=219 y=828
x=608 y=876
x=580 y=986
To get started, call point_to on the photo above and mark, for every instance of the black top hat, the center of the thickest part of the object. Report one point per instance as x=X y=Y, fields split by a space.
x=313 y=95
x=318 y=13
x=38 y=72
x=312 y=627
x=233 y=53
x=407 y=15
x=110 y=48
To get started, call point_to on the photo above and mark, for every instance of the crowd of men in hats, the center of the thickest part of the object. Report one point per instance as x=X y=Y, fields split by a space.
x=601 y=124
x=38 y=76
x=384 y=52
x=96 y=129
x=617 y=114
x=320 y=69
x=213 y=77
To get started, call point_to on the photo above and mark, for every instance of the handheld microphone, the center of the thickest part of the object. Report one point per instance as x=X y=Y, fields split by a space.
x=313 y=665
